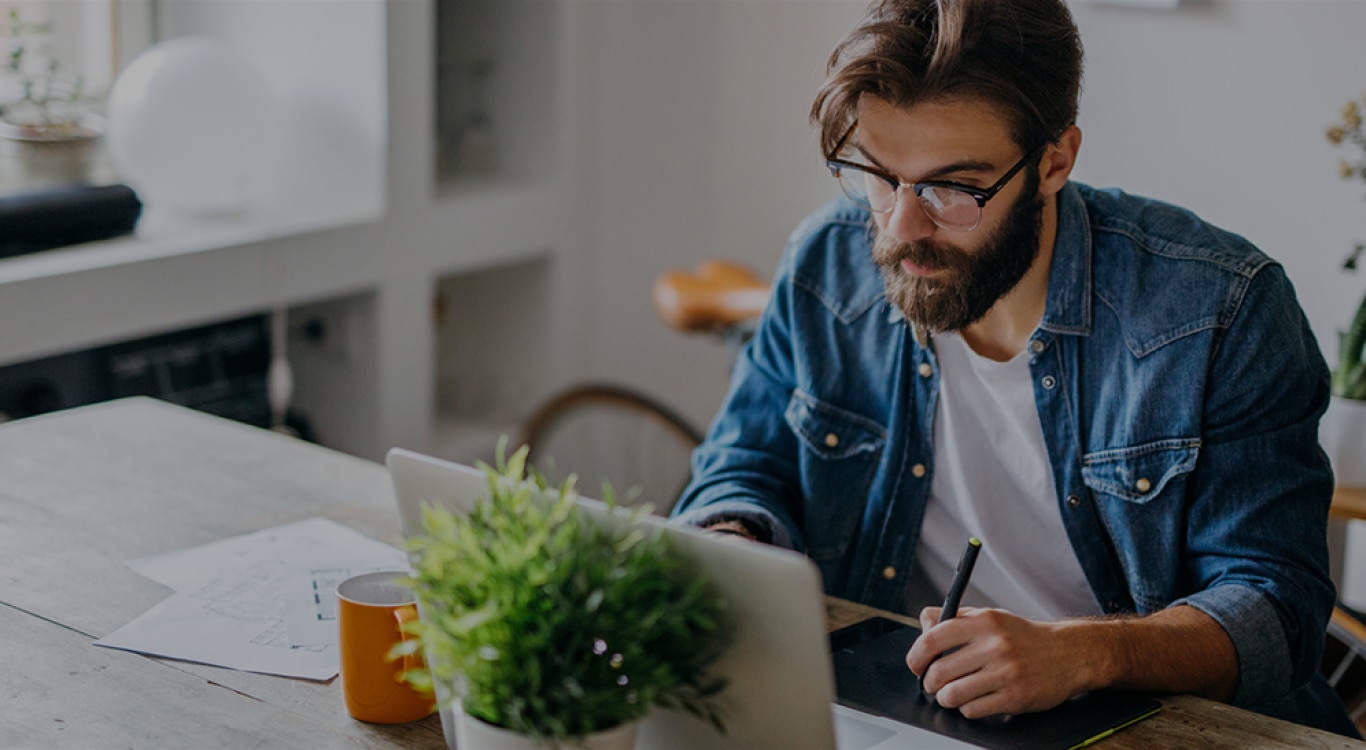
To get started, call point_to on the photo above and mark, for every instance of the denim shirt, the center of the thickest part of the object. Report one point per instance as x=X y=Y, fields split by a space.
x=1179 y=388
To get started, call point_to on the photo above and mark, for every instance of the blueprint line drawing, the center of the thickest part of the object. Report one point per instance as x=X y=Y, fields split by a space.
x=260 y=602
x=324 y=583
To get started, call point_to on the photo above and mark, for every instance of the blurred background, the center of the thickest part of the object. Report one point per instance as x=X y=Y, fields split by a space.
x=468 y=201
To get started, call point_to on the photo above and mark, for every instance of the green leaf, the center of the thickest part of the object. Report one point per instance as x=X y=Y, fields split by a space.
x=404 y=648
x=532 y=613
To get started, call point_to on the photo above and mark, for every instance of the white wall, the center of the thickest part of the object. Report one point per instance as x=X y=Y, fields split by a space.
x=700 y=149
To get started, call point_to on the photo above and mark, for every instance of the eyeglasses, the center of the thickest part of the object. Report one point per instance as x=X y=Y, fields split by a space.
x=950 y=205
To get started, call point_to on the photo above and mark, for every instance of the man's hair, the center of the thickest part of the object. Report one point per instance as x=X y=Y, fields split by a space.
x=1023 y=56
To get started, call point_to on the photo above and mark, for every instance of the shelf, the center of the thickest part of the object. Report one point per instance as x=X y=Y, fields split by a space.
x=466 y=440
x=495 y=85
x=370 y=228
x=492 y=342
x=1349 y=503
x=168 y=275
x=331 y=173
x=162 y=237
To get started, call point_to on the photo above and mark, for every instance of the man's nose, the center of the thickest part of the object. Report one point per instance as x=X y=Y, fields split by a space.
x=908 y=221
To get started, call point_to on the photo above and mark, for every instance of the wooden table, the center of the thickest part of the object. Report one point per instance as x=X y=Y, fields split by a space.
x=83 y=491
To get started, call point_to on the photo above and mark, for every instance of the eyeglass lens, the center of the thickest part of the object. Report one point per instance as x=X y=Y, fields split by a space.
x=947 y=207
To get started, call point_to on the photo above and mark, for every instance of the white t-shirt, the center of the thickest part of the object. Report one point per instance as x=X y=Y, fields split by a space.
x=992 y=479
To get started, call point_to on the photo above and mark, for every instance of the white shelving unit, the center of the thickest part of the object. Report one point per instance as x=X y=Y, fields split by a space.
x=372 y=229
x=628 y=138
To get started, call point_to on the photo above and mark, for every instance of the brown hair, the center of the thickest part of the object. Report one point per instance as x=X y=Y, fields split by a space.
x=1024 y=56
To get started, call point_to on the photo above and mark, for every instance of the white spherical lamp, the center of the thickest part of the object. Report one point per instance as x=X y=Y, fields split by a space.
x=192 y=127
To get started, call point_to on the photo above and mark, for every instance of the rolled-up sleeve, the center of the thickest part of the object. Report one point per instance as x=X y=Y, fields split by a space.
x=1252 y=624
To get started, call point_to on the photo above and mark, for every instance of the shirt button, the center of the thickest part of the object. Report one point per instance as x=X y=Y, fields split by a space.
x=889 y=572
x=1143 y=485
x=918 y=470
x=832 y=440
x=1036 y=346
x=925 y=370
x=1049 y=382
x=1073 y=501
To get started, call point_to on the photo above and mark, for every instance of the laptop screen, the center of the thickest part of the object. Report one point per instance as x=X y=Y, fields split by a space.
x=780 y=683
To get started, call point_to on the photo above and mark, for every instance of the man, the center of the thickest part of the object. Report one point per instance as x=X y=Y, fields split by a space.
x=1121 y=400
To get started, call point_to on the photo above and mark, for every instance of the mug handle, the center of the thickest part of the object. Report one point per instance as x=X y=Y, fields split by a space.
x=405 y=615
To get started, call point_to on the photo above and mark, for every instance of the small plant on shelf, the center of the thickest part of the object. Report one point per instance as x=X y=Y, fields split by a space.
x=35 y=93
x=555 y=625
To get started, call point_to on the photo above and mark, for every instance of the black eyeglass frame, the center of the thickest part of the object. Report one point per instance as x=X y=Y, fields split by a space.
x=981 y=195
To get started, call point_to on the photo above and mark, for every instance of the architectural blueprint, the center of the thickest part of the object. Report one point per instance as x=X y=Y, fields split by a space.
x=235 y=598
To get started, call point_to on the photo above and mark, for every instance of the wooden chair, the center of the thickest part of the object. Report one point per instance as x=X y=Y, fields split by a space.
x=1344 y=648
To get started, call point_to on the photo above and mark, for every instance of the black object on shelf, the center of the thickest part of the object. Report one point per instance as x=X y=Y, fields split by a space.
x=67 y=215
x=219 y=368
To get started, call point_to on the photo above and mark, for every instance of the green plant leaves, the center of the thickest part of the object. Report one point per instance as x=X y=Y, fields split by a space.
x=555 y=625
x=1349 y=377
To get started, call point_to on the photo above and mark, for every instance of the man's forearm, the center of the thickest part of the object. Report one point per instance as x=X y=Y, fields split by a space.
x=1177 y=650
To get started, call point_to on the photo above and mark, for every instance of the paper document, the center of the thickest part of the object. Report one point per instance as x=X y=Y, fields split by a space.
x=305 y=542
x=237 y=599
x=310 y=596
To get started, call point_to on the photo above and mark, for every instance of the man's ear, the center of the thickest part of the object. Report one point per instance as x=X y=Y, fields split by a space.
x=1058 y=160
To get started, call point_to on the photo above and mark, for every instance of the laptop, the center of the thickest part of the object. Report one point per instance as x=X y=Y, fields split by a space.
x=780 y=677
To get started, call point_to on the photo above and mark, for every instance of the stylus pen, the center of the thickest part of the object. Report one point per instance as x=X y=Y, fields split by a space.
x=961 y=576
x=960 y=579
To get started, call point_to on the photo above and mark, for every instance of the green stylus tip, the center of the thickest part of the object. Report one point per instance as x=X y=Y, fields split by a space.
x=974 y=541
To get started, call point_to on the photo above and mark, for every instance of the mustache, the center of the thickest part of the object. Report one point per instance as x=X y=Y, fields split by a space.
x=890 y=252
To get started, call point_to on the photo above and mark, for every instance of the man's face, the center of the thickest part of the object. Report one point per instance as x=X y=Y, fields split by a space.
x=947 y=280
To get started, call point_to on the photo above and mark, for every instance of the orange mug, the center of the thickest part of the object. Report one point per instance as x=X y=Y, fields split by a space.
x=371 y=610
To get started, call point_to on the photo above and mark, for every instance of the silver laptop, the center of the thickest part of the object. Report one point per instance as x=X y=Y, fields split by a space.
x=780 y=684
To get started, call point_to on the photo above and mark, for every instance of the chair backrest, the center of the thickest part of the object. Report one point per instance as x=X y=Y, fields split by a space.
x=602 y=432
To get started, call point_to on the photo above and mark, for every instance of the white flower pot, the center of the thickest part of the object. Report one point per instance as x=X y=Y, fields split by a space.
x=1343 y=436
x=33 y=158
x=1342 y=432
x=476 y=734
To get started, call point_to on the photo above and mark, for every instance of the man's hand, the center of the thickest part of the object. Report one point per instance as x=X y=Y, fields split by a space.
x=1004 y=664
x=731 y=528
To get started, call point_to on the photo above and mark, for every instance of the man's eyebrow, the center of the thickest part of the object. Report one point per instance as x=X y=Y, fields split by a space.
x=967 y=165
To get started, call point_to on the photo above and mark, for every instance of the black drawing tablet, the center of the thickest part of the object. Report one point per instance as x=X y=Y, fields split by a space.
x=871 y=676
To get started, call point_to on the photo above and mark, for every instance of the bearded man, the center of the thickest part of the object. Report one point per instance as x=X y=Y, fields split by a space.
x=1119 y=399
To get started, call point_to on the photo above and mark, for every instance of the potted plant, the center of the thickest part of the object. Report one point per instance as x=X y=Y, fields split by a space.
x=552 y=627
x=46 y=130
x=1343 y=431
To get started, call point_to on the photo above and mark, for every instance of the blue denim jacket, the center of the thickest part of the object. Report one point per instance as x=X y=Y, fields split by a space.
x=1179 y=388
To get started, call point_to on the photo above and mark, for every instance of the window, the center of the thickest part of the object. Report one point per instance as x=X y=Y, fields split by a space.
x=91 y=39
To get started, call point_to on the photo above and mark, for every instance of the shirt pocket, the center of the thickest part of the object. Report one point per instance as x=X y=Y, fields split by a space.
x=1140 y=473
x=1140 y=492
x=840 y=452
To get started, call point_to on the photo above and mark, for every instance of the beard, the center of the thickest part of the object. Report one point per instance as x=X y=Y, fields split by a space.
x=968 y=284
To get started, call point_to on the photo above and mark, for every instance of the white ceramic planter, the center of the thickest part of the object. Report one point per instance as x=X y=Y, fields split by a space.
x=1342 y=432
x=475 y=734
x=35 y=158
